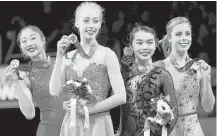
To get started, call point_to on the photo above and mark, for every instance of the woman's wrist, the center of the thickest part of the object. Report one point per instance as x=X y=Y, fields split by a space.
x=59 y=55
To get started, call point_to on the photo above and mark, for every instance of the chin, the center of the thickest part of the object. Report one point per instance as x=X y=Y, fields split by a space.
x=87 y=36
x=33 y=55
x=184 y=49
x=145 y=58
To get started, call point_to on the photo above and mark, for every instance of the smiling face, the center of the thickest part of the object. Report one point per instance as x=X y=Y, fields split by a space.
x=31 y=43
x=180 y=37
x=143 y=45
x=89 y=21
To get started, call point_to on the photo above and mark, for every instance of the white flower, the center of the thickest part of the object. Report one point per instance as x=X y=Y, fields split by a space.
x=69 y=82
x=76 y=84
x=89 y=89
x=85 y=80
x=162 y=107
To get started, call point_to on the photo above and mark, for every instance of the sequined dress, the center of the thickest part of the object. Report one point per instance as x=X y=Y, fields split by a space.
x=95 y=71
x=52 y=113
x=156 y=82
x=187 y=89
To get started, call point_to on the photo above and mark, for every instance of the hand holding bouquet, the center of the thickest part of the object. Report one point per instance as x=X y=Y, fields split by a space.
x=82 y=95
x=164 y=115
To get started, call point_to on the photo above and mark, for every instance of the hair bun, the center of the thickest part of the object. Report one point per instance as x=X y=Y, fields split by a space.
x=137 y=24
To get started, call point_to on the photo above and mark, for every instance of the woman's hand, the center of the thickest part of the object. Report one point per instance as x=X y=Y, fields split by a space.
x=11 y=74
x=79 y=107
x=63 y=44
x=127 y=60
x=155 y=127
x=205 y=69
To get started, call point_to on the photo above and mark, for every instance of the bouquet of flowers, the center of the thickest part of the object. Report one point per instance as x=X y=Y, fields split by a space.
x=82 y=93
x=164 y=115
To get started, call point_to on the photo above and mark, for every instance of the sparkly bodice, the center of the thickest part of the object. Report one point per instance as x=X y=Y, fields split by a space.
x=94 y=70
x=187 y=89
x=50 y=107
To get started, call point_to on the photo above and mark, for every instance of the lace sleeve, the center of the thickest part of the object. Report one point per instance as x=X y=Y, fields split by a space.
x=168 y=90
x=126 y=63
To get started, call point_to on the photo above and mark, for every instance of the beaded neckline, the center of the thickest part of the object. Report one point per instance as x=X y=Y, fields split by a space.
x=83 y=54
x=41 y=64
x=143 y=71
x=186 y=67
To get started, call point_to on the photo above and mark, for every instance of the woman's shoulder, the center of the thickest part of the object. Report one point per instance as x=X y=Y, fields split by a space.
x=108 y=51
x=160 y=66
x=105 y=49
x=159 y=63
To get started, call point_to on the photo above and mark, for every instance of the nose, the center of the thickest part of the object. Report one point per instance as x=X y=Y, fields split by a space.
x=91 y=24
x=184 y=37
x=29 y=43
x=144 y=46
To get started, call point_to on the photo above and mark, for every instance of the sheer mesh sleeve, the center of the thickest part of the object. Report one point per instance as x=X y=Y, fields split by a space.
x=126 y=63
x=168 y=89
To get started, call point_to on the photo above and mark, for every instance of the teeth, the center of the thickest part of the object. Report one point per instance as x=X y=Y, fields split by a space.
x=90 y=31
x=183 y=43
x=31 y=49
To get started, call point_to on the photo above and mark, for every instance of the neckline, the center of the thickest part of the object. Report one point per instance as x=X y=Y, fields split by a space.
x=176 y=64
x=41 y=64
x=145 y=70
x=84 y=55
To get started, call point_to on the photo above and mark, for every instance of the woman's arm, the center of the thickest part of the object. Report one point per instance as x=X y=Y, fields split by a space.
x=168 y=90
x=117 y=83
x=206 y=94
x=25 y=100
x=58 y=76
x=22 y=92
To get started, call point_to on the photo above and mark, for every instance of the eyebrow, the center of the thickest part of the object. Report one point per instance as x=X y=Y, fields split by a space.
x=150 y=40
x=139 y=40
x=25 y=37
x=32 y=34
x=96 y=18
x=145 y=40
x=181 y=31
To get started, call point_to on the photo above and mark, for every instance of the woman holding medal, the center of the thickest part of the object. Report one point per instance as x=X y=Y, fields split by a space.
x=191 y=77
x=31 y=82
x=98 y=64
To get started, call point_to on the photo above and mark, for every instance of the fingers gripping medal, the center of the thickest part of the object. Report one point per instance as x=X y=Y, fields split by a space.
x=75 y=41
x=14 y=64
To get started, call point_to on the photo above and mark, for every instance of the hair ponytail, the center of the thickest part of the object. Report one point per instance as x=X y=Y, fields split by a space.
x=165 y=45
